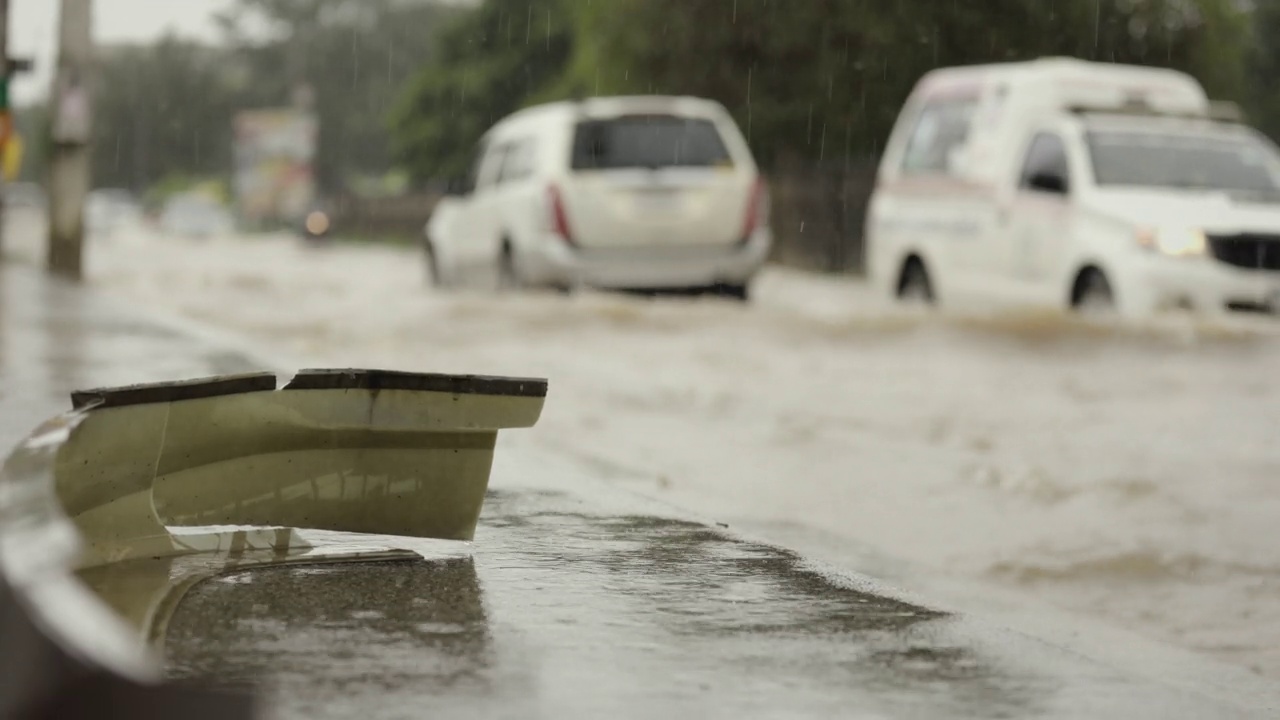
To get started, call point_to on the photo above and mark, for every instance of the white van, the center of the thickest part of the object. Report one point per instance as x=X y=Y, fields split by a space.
x=1071 y=184
x=622 y=192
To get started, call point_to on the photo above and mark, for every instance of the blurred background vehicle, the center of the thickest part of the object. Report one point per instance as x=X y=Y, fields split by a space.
x=24 y=195
x=109 y=210
x=194 y=215
x=1066 y=184
x=649 y=193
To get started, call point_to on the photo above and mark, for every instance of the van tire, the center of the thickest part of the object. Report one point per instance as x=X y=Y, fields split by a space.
x=1091 y=294
x=914 y=285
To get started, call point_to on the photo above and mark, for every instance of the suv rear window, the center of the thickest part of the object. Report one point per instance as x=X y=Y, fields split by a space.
x=647 y=141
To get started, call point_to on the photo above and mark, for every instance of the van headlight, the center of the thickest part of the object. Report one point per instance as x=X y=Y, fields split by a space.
x=1174 y=242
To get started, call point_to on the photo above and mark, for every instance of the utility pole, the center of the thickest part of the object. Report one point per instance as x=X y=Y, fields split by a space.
x=71 y=128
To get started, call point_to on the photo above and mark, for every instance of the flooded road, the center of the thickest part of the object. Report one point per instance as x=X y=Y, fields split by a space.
x=579 y=601
x=561 y=613
x=1129 y=475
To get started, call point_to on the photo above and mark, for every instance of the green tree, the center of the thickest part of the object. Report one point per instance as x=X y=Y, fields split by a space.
x=354 y=55
x=1264 y=67
x=488 y=63
x=165 y=110
x=818 y=80
x=160 y=110
x=825 y=79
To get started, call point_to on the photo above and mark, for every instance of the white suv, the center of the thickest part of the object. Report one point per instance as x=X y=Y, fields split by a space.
x=646 y=193
x=1063 y=183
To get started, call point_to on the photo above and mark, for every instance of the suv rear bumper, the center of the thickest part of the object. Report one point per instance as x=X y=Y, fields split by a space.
x=552 y=262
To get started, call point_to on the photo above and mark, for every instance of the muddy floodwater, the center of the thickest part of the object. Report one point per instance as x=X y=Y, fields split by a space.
x=1131 y=475
x=565 y=614
x=579 y=601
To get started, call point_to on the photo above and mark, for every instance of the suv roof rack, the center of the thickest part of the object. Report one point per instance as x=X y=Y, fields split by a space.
x=1218 y=111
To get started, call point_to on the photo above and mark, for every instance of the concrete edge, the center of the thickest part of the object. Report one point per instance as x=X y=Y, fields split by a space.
x=172 y=391
x=325 y=379
x=91 y=493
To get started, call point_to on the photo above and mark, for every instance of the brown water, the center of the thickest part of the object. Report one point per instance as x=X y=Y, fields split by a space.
x=1129 y=474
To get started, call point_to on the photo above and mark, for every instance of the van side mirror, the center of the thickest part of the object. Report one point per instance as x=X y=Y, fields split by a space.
x=1048 y=182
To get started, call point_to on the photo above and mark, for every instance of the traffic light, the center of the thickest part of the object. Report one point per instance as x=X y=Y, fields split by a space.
x=6 y=115
x=6 y=131
x=10 y=143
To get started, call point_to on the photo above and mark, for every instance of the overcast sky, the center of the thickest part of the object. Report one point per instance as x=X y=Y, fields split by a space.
x=34 y=27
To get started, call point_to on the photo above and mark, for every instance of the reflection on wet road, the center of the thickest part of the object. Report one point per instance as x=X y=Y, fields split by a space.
x=344 y=634
x=1027 y=452
x=583 y=602
x=561 y=612
x=806 y=409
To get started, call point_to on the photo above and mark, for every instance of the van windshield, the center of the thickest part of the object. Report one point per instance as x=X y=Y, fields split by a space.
x=647 y=141
x=1171 y=160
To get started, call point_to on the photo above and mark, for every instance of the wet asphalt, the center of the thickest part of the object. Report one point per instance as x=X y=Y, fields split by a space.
x=56 y=337
x=568 y=614
x=578 y=601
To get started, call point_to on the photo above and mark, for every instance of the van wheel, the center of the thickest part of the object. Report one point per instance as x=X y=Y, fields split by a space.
x=914 y=285
x=1092 y=294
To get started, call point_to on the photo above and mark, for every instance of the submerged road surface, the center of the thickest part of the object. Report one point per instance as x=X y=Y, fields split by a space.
x=581 y=598
x=1128 y=475
x=580 y=601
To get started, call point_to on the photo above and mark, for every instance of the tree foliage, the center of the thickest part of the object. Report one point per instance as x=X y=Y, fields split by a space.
x=416 y=82
x=815 y=80
x=354 y=55
x=826 y=78
x=160 y=110
x=1264 y=67
x=167 y=109
x=488 y=63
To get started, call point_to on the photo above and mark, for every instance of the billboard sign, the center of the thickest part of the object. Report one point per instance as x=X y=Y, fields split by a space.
x=274 y=155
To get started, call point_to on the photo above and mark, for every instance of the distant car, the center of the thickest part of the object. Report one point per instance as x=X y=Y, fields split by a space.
x=108 y=210
x=647 y=193
x=24 y=195
x=1068 y=184
x=195 y=216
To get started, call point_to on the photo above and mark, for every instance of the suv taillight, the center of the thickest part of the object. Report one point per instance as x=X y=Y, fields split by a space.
x=557 y=218
x=757 y=209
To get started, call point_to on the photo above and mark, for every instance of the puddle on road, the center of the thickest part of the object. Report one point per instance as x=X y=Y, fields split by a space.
x=564 y=613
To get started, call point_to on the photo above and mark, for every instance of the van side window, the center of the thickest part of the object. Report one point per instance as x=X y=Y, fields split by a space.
x=518 y=163
x=943 y=126
x=490 y=164
x=1045 y=169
